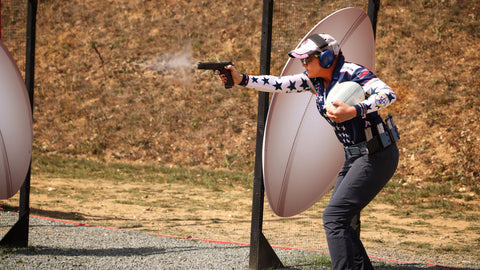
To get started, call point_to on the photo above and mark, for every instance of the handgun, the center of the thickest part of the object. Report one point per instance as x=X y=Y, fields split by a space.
x=220 y=67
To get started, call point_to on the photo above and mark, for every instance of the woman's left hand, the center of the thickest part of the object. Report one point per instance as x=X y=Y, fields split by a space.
x=342 y=113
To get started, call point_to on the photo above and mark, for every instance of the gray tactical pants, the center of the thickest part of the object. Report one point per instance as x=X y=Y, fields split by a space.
x=359 y=181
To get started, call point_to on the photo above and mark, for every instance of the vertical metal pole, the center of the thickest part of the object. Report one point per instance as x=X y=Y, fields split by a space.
x=30 y=50
x=17 y=236
x=29 y=82
x=262 y=255
x=373 y=7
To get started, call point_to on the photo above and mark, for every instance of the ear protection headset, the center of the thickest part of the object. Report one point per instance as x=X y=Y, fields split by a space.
x=326 y=57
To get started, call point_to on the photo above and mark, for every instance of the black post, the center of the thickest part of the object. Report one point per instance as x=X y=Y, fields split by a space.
x=373 y=7
x=262 y=255
x=17 y=236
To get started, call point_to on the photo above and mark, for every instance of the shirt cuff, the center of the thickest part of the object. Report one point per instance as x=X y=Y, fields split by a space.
x=360 y=110
x=244 y=81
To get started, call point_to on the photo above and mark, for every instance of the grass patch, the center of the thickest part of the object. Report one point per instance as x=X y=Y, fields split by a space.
x=441 y=197
x=416 y=245
x=421 y=223
x=314 y=261
x=53 y=166
x=131 y=225
x=398 y=230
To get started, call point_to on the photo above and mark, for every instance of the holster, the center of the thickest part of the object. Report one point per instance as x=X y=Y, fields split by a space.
x=392 y=128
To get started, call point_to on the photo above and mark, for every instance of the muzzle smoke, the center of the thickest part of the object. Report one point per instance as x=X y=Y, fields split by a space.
x=182 y=60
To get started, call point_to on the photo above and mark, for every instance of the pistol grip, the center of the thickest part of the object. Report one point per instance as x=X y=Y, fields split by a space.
x=230 y=82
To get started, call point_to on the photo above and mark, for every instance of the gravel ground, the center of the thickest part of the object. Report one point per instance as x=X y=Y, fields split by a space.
x=60 y=245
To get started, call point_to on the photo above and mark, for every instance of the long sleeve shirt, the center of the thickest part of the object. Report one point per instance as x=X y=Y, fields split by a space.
x=378 y=95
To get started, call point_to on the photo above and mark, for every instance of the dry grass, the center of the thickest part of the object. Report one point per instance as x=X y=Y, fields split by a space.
x=115 y=82
x=428 y=52
x=105 y=89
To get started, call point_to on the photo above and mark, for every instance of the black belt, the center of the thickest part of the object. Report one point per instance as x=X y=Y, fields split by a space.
x=365 y=148
x=387 y=135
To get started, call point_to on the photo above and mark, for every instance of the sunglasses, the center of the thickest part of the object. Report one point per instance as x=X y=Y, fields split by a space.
x=308 y=59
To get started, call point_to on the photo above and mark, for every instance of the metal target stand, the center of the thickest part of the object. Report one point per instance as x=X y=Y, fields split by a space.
x=17 y=236
x=262 y=255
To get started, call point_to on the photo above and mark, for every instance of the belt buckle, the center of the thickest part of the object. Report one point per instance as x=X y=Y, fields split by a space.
x=356 y=150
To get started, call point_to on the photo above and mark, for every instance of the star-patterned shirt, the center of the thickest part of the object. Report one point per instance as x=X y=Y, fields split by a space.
x=378 y=95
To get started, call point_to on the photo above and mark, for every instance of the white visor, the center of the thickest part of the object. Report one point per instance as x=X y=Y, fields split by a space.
x=309 y=46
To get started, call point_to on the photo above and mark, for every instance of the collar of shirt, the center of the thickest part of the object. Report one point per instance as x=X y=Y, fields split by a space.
x=318 y=82
x=338 y=67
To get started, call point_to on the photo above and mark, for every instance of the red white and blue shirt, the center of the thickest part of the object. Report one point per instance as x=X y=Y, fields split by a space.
x=378 y=95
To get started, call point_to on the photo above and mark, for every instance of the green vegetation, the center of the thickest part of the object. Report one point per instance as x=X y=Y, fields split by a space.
x=311 y=261
x=67 y=167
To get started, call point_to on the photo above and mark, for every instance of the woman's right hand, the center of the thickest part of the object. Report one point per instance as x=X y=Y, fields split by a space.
x=237 y=77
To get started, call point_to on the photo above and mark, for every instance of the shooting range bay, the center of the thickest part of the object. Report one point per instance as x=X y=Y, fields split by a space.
x=129 y=135
x=301 y=154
